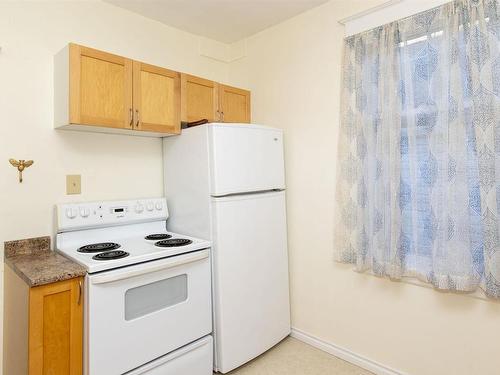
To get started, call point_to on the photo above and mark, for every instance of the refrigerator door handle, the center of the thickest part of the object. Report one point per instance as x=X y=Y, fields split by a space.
x=248 y=193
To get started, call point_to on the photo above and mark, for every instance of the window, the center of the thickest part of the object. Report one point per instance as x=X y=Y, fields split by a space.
x=417 y=183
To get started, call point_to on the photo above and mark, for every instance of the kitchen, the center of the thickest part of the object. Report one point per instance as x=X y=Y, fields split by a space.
x=293 y=71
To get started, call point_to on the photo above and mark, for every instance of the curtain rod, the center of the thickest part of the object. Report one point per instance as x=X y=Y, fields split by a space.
x=374 y=9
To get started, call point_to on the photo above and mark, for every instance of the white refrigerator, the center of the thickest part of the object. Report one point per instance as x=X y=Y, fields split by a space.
x=226 y=182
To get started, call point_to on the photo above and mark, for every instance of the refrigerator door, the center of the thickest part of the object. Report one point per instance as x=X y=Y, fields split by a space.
x=251 y=294
x=245 y=158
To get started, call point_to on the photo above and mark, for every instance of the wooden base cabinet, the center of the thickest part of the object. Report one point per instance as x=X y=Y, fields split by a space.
x=43 y=327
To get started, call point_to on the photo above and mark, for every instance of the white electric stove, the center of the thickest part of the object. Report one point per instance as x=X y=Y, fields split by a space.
x=147 y=291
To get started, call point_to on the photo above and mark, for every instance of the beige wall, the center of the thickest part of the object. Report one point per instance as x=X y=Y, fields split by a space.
x=293 y=70
x=112 y=166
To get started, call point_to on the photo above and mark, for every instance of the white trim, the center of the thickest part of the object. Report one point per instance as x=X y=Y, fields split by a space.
x=345 y=354
x=387 y=12
x=388 y=3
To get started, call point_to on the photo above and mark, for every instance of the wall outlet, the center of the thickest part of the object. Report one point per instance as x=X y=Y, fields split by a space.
x=73 y=184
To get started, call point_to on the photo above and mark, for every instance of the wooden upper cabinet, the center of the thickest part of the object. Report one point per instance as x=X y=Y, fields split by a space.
x=100 y=88
x=199 y=99
x=56 y=328
x=99 y=91
x=157 y=95
x=234 y=104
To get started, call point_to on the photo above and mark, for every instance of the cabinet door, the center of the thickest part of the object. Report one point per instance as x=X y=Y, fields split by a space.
x=156 y=99
x=234 y=104
x=100 y=88
x=198 y=99
x=56 y=328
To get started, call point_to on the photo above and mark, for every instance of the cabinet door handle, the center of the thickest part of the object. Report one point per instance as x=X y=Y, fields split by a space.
x=80 y=287
x=131 y=117
x=222 y=113
x=137 y=121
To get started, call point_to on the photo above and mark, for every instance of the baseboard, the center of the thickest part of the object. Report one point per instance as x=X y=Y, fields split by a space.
x=344 y=354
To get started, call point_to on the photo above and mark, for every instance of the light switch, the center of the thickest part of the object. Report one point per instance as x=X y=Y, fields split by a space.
x=73 y=184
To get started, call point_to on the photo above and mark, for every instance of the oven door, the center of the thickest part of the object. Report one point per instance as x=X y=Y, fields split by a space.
x=142 y=312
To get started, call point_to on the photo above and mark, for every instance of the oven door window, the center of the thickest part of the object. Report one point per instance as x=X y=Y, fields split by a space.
x=146 y=299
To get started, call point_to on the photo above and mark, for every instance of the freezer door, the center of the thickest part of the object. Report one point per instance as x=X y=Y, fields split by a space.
x=252 y=311
x=245 y=159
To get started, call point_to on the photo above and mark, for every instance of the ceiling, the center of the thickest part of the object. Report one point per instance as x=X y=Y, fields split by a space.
x=223 y=20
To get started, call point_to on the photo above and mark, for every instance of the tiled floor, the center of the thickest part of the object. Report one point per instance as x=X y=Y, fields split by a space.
x=293 y=357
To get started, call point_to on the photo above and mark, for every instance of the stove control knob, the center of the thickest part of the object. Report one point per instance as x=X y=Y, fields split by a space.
x=84 y=212
x=139 y=208
x=71 y=213
x=150 y=206
x=159 y=206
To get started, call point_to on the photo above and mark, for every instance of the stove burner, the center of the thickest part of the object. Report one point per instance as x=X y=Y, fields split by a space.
x=98 y=247
x=173 y=242
x=158 y=236
x=110 y=255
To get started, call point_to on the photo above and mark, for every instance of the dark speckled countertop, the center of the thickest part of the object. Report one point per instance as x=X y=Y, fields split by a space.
x=34 y=261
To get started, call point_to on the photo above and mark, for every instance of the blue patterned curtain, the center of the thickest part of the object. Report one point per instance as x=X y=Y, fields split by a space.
x=418 y=192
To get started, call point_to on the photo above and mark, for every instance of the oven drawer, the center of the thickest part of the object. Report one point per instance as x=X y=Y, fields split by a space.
x=193 y=359
x=139 y=313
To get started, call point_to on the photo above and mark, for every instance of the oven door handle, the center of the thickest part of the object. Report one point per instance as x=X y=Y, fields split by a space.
x=174 y=261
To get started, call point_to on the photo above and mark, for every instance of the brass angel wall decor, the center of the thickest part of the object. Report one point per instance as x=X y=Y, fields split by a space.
x=21 y=165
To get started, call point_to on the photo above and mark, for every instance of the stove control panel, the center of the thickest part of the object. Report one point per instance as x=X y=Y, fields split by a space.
x=72 y=216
